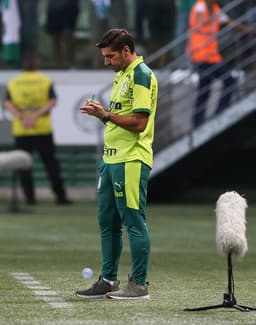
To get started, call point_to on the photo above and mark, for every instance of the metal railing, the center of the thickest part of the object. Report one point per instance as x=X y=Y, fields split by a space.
x=178 y=80
x=178 y=86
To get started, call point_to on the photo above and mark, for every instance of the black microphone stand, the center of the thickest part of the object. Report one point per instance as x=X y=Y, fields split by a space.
x=14 y=202
x=229 y=300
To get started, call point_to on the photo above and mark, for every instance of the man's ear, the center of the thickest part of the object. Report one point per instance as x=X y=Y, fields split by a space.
x=126 y=49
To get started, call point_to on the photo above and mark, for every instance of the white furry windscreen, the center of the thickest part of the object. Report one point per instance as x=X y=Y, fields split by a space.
x=15 y=159
x=231 y=224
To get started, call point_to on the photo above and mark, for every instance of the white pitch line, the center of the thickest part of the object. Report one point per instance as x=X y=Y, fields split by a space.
x=24 y=277
x=30 y=282
x=43 y=293
x=59 y=304
x=36 y=287
x=55 y=302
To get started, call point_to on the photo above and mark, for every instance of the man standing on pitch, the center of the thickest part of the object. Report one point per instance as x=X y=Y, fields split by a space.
x=30 y=98
x=125 y=167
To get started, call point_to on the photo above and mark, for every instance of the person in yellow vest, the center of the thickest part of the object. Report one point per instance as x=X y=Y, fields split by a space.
x=205 y=20
x=30 y=98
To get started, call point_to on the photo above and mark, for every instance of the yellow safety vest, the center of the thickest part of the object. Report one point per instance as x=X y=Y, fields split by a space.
x=30 y=91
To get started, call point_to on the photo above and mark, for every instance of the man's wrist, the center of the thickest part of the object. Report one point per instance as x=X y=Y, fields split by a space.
x=106 y=117
x=18 y=114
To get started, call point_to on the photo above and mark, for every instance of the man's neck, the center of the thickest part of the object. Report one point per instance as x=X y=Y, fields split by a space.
x=131 y=58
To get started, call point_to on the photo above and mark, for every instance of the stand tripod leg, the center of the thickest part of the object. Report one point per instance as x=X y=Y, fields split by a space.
x=204 y=308
x=13 y=205
x=241 y=308
x=246 y=308
x=229 y=300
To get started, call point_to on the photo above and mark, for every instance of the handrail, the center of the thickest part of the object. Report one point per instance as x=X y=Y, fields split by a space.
x=176 y=97
x=174 y=116
x=180 y=39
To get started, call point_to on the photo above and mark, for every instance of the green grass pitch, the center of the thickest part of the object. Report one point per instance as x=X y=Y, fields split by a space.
x=53 y=244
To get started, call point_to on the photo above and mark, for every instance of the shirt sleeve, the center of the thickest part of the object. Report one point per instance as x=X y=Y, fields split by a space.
x=142 y=99
x=201 y=7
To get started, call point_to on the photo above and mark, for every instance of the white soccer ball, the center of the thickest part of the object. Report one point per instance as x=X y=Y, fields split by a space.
x=87 y=273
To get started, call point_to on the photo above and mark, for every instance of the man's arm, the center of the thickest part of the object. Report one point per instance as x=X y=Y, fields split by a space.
x=48 y=106
x=45 y=109
x=241 y=27
x=224 y=19
x=29 y=119
x=136 y=122
x=8 y=104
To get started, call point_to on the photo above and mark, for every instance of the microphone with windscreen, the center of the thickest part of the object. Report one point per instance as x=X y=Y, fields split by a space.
x=231 y=224
x=13 y=162
x=230 y=240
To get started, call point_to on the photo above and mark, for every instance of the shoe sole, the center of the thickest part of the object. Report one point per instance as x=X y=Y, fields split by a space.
x=128 y=298
x=90 y=297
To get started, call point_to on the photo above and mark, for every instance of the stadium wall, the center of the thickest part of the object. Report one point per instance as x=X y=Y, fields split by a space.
x=78 y=137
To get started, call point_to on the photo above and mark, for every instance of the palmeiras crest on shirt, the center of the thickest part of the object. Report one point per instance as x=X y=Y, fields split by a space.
x=124 y=87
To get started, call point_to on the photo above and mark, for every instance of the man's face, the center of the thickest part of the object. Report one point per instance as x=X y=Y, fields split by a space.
x=117 y=60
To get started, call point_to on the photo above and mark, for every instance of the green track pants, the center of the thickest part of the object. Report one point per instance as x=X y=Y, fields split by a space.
x=122 y=195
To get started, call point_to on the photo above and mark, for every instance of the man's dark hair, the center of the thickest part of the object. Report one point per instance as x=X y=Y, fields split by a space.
x=116 y=39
